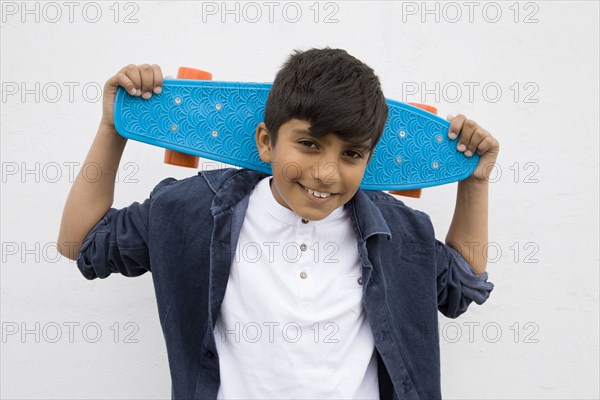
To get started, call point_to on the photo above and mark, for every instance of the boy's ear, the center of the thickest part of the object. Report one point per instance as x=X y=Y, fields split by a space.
x=263 y=142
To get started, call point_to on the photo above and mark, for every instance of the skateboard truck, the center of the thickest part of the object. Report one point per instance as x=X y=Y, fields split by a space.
x=176 y=157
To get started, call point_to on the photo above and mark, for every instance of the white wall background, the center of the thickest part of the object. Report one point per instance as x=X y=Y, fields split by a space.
x=536 y=337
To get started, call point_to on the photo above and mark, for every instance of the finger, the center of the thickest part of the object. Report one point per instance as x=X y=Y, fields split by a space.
x=484 y=145
x=487 y=144
x=456 y=126
x=123 y=80
x=158 y=79
x=476 y=138
x=468 y=128
x=451 y=135
x=133 y=74
x=147 y=75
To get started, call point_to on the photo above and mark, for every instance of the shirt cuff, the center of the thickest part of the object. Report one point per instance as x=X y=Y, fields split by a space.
x=474 y=286
x=86 y=255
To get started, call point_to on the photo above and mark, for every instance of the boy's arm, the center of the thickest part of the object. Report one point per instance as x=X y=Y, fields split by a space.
x=468 y=232
x=92 y=193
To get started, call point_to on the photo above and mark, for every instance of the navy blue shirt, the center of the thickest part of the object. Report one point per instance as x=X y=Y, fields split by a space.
x=186 y=233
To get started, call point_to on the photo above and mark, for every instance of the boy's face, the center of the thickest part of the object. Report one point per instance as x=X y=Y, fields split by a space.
x=300 y=160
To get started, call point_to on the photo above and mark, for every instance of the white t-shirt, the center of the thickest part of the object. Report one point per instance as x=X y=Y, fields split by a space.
x=292 y=323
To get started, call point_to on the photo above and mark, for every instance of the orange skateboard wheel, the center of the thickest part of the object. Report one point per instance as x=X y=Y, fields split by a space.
x=193 y=73
x=425 y=107
x=175 y=157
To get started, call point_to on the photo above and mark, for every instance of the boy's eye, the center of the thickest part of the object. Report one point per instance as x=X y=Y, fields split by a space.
x=305 y=141
x=353 y=154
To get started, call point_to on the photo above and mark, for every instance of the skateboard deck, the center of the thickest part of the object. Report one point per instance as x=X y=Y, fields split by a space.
x=217 y=120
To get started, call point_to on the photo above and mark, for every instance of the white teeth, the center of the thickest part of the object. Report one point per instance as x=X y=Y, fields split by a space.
x=318 y=194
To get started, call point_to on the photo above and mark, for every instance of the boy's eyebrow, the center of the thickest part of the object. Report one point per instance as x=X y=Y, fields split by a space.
x=360 y=146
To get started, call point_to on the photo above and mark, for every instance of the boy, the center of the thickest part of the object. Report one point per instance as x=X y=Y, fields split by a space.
x=298 y=285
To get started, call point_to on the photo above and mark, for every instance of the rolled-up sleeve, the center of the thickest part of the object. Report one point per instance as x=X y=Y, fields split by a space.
x=118 y=243
x=457 y=284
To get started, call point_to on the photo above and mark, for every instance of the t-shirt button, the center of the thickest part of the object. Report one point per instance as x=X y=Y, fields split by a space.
x=303 y=275
x=303 y=247
x=304 y=221
x=360 y=280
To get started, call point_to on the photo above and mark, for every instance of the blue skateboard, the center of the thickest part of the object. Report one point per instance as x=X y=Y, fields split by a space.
x=217 y=120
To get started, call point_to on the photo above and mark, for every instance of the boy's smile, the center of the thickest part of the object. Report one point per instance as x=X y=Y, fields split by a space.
x=312 y=176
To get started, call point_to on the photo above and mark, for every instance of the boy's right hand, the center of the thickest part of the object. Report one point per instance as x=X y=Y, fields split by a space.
x=138 y=80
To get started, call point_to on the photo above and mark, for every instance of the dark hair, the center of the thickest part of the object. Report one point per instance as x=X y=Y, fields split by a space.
x=335 y=92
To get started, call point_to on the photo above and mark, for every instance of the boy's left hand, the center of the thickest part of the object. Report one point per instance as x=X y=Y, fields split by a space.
x=473 y=138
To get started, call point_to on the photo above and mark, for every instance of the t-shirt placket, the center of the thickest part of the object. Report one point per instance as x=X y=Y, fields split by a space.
x=304 y=268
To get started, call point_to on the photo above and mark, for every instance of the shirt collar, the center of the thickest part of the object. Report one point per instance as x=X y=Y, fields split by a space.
x=284 y=214
x=367 y=215
x=233 y=186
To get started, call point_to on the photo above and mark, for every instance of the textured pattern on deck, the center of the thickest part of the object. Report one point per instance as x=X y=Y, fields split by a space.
x=217 y=120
